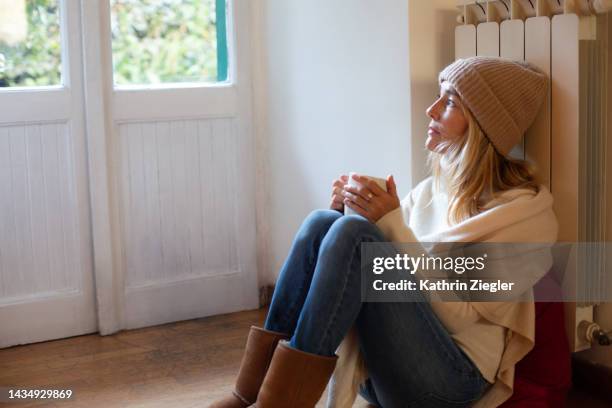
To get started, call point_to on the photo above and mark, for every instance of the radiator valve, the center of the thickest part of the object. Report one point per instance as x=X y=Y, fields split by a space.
x=592 y=332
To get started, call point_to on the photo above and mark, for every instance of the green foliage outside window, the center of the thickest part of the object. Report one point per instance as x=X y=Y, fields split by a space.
x=153 y=41
x=156 y=41
x=35 y=61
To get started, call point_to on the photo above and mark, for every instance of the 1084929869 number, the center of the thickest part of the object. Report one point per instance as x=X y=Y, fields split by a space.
x=38 y=394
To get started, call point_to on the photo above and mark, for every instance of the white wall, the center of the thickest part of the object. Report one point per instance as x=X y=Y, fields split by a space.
x=432 y=47
x=332 y=94
x=337 y=100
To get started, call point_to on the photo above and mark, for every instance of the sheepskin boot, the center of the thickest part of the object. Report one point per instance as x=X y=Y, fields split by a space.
x=255 y=362
x=295 y=378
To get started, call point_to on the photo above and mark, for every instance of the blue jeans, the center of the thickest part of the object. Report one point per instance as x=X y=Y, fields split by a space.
x=411 y=359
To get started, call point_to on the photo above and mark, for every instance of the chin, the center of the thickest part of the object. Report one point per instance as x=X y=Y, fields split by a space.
x=433 y=147
x=439 y=149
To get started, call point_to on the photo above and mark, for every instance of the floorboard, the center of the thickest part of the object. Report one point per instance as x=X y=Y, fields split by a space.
x=183 y=364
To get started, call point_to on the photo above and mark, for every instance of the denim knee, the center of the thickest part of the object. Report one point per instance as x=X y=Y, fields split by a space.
x=318 y=222
x=351 y=225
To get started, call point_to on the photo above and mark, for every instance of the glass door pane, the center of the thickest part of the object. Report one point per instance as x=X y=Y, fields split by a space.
x=30 y=46
x=168 y=41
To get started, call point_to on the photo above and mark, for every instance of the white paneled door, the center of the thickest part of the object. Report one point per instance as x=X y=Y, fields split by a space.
x=46 y=274
x=183 y=173
x=148 y=191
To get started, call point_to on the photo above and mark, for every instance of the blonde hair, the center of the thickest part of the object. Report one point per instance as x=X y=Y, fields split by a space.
x=475 y=172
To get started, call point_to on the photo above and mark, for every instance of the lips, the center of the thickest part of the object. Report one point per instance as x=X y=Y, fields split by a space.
x=433 y=131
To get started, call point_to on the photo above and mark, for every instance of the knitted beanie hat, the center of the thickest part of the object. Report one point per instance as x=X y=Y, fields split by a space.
x=503 y=95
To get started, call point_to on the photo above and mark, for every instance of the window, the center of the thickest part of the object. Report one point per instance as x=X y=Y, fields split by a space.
x=168 y=41
x=30 y=50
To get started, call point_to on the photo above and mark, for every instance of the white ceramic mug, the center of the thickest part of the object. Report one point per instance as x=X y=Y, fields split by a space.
x=380 y=181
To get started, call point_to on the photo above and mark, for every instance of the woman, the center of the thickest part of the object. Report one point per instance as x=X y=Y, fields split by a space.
x=411 y=354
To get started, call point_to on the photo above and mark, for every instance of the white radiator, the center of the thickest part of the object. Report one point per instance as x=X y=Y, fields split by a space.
x=569 y=41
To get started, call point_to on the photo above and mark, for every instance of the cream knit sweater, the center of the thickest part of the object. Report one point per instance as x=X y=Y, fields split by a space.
x=518 y=215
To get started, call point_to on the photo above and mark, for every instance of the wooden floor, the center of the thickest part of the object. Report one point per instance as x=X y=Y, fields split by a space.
x=184 y=364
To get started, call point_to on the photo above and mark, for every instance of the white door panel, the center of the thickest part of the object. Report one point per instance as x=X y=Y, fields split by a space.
x=46 y=276
x=183 y=164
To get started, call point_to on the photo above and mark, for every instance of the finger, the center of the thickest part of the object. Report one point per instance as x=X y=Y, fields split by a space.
x=357 y=199
x=359 y=210
x=338 y=198
x=361 y=191
x=374 y=187
x=337 y=183
x=336 y=206
x=337 y=190
x=391 y=185
x=342 y=180
x=337 y=202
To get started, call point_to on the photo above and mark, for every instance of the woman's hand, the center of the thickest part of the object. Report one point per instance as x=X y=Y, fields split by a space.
x=369 y=200
x=337 y=199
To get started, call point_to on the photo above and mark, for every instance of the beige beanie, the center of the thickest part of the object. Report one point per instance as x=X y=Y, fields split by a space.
x=503 y=95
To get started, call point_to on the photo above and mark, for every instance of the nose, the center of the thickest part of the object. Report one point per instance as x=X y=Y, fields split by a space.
x=432 y=111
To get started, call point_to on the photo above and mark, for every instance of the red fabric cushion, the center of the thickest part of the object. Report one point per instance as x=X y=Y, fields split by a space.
x=544 y=376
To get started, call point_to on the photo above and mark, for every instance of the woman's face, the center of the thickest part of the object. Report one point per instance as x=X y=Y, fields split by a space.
x=448 y=123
